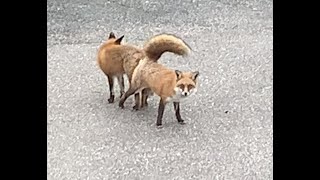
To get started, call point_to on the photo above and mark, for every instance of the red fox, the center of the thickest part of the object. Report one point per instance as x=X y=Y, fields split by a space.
x=116 y=59
x=111 y=64
x=170 y=85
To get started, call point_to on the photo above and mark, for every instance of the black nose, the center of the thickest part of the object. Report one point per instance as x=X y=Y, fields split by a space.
x=185 y=93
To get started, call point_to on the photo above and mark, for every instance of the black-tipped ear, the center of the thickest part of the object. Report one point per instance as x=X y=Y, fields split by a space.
x=178 y=73
x=118 y=41
x=111 y=35
x=195 y=75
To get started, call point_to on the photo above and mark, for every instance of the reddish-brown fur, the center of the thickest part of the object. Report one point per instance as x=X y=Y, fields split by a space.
x=116 y=59
x=110 y=63
x=162 y=81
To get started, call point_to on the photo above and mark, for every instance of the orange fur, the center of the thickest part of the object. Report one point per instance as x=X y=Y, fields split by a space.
x=162 y=80
x=170 y=85
x=109 y=60
x=116 y=59
x=111 y=64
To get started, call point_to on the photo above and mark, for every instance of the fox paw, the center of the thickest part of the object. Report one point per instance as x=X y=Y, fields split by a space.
x=111 y=99
x=145 y=104
x=121 y=105
x=135 y=107
x=181 y=122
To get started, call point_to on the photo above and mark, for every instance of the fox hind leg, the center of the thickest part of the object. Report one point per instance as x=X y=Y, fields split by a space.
x=141 y=99
x=128 y=93
x=145 y=94
x=160 y=112
x=110 y=81
x=137 y=100
x=121 y=84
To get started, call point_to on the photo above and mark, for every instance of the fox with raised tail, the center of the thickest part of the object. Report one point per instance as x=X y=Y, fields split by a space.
x=170 y=85
x=116 y=59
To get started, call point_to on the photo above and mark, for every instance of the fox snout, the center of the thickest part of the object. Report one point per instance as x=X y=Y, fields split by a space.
x=185 y=93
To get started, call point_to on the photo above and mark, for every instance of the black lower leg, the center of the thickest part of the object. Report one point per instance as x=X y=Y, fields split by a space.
x=145 y=93
x=121 y=83
x=177 y=109
x=110 y=81
x=125 y=96
x=160 y=112
x=145 y=100
x=137 y=101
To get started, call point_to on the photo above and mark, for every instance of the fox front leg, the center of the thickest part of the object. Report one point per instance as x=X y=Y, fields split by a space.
x=177 y=110
x=110 y=82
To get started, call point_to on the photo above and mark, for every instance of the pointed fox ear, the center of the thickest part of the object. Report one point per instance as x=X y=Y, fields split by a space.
x=118 y=41
x=111 y=35
x=195 y=75
x=178 y=73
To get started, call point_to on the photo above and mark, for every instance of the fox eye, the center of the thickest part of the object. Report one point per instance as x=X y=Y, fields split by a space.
x=190 y=86
x=181 y=86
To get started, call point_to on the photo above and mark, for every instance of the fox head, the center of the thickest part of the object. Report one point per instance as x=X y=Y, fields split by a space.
x=113 y=40
x=186 y=83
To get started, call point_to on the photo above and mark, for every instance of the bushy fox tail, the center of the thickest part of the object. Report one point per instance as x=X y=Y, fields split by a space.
x=162 y=43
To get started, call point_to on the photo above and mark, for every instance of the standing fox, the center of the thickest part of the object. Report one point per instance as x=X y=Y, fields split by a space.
x=111 y=64
x=170 y=85
x=116 y=59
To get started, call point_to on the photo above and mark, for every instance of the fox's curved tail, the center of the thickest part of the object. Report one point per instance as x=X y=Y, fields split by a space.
x=162 y=43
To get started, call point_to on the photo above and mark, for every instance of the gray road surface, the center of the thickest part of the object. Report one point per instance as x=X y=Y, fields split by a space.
x=228 y=134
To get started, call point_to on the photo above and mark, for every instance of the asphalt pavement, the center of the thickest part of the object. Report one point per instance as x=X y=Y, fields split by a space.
x=228 y=133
